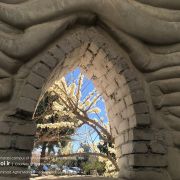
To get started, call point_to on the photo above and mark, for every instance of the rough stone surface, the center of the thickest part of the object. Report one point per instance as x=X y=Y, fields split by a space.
x=24 y=128
x=132 y=57
x=36 y=80
x=24 y=142
x=147 y=160
x=5 y=141
x=140 y=134
x=27 y=105
x=134 y=147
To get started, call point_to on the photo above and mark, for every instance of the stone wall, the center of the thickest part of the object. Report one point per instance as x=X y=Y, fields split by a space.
x=129 y=48
x=139 y=153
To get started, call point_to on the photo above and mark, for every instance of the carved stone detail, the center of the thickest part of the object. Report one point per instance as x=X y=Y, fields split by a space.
x=133 y=44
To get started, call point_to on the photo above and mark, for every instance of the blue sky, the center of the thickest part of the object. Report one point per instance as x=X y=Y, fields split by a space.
x=87 y=87
x=83 y=135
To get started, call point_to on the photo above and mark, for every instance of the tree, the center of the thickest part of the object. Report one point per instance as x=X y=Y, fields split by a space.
x=48 y=138
x=67 y=110
x=94 y=164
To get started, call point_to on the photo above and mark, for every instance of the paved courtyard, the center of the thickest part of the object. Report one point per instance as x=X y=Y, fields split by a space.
x=51 y=177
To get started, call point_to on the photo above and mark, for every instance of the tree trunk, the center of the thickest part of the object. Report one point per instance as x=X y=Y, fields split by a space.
x=42 y=157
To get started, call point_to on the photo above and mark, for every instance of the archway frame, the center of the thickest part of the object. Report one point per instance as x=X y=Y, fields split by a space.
x=132 y=137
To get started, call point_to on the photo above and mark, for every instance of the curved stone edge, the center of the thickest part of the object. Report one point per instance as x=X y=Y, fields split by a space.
x=13 y=1
x=135 y=136
x=120 y=13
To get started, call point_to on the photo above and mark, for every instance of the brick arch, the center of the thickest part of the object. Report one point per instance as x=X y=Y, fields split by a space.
x=115 y=77
x=100 y=62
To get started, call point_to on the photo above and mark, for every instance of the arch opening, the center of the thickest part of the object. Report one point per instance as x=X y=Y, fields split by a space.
x=74 y=129
x=113 y=74
x=101 y=64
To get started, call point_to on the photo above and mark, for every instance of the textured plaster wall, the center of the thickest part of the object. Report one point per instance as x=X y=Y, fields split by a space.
x=130 y=48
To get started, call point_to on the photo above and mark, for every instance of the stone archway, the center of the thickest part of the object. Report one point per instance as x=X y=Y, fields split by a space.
x=114 y=76
x=137 y=79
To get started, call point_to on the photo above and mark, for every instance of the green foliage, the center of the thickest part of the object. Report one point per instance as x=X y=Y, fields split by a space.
x=61 y=111
x=44 y=105
x=44 y=108
x=104 y=148
x=94 y=165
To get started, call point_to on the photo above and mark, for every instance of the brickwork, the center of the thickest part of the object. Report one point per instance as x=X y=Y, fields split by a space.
x=115 y=78
x=138 y=150
x=138 y=43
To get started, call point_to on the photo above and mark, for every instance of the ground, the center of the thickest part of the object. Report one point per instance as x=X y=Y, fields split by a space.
x=51 y=177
